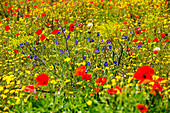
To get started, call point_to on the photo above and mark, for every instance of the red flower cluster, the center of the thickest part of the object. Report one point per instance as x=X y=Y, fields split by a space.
x=113 y=91
x=81 y=72
x=157 y=86
x=144 y=74
x=101 y=81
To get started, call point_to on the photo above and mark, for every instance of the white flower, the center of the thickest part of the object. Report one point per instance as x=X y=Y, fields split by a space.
x=157 y=49
x=89 y=24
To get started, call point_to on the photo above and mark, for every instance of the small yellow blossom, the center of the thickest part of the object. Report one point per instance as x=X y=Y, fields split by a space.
x=89 y=102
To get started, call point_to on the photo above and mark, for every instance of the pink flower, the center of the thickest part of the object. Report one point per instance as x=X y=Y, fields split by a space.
x=30 y=89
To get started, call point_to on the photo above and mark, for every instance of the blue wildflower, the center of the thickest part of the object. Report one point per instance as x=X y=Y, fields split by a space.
x=125 y=37
x=88 y=63
x=131 y=32
x=62 y=75
x=110 y=47
x=115 y=62
x=56 y=42
x=88 y=39
x=98 y=34
x=21 y=45
x=44 y=46
x=68 y=36
x=108 y=41
x=102 y=49
x=30 y=55
x=76 y=42
x=22 y=52
x=35 y=57
x=97 y=51
x=35 y=63
x=105 y=64
x=92 y=40
x=139 y=45
x=115 y=78
x=34 y=48
x=101 y=41
x=26 y=43
x=84 y=58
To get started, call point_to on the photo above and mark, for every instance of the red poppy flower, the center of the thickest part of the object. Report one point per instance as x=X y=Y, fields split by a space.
x=55 y=31
x=138 y=32
x=35 y=97
x=7 y=19
x=119 y=88
x=71 y=27
x=38 y=32
x=101 y=81
x=111 y=7
x=149 y=41
x=144 y=74
x=80 y=71
x=135 y=40
x=120 y=9
x=162 y=35
x=91 y=2
x=86 y=77
x=4 y=43
x=43 y=14
x=167 y=40
x=155 y=40
x=65 y=22
x=156 y=52
x=42 y=37
x=7 y=28
x=136 y=16
x=124 y=23
x=96 y=90
x=17 y=34
x=143 y=29
x=142 y=108
x=16 y=51
x=111 y=91
x=27 y=15
x=42 y=80
x=144 y=37
x=30 y=89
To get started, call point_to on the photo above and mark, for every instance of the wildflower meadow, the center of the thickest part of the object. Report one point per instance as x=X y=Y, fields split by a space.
x=84 y=56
